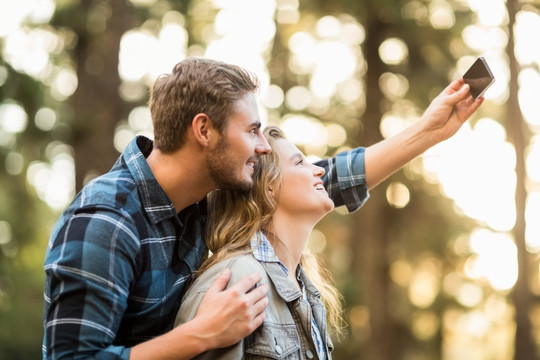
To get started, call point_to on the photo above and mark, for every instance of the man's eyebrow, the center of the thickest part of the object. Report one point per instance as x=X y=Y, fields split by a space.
x=256 y=124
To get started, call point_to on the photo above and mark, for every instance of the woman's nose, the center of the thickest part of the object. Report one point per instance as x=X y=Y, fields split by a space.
x=318 y=171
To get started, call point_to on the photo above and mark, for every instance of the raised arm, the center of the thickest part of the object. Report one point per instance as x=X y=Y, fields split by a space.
x=442 y=119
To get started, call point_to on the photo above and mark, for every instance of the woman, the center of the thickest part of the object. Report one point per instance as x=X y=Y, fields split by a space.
x=266 y=230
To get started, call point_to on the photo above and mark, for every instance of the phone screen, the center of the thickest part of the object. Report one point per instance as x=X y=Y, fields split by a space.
x=479 y=77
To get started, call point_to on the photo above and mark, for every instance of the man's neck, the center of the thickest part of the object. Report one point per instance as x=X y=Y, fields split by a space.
x=182 y=176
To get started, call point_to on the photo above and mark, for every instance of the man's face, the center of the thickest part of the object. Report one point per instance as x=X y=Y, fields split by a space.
x=232 y=159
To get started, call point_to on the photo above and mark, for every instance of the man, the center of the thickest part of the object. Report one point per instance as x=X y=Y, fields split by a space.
x=121 y=255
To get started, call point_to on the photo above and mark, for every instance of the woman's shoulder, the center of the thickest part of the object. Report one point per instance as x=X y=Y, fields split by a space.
x=240 y=267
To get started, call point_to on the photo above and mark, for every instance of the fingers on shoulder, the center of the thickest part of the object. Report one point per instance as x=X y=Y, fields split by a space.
x=247 y=272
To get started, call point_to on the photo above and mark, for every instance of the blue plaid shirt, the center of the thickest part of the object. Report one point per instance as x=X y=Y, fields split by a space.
x=120 y=257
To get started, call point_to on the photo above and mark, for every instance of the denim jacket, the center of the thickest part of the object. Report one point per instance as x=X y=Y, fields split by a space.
x=286 y=331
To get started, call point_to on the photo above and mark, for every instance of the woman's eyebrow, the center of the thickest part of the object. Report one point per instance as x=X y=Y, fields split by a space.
x=297 y=156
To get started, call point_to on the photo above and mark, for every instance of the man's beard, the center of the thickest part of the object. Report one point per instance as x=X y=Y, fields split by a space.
x=224 y=171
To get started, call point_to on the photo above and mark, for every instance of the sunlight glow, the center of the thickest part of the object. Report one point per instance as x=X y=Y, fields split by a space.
x=401 y=272
x=336 y=135
x=481 y=38
x=394 y=86
x=533 y=159
x=14 y=13
x=329 y=56
x=54 y=183
x=350 y=90
x=303 y=130
x=423 y=289
x=143 y=56
x=328 y=27
x=5 y=232
x=13 y=118
x=532 y=231
x=28 y=51
x=45 y=119
x=139 y=123
x=236 y=42
x=495 y=259
x=64 y=84
x=526 y=30
x=334 y=62
x=441 y=15
x=489 y=12
x=272 y=97
x=425 y=325
x=398 y=195
x=529 y=88
x=469 y=295
x=287 y=12
x=14 y=163
x=298 y=98
x=485 y=188
x=393 y=51
x=135 y=47
x=302 y=46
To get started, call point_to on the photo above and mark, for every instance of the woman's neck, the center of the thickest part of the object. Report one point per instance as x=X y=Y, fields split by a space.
x=288 y=237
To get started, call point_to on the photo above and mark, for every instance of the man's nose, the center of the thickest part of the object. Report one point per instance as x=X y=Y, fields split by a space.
x=262 y=147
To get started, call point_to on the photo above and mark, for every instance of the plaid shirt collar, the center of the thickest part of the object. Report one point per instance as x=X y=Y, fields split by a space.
x=156 y=203
x=264 y=252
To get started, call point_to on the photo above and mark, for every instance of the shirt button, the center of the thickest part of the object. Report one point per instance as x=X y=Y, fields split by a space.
x=309 y=354
x=279 y=350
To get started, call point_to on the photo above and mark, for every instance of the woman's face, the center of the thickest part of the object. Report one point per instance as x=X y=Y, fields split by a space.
x=302 y=191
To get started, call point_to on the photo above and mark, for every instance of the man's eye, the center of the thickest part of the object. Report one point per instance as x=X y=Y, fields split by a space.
x=300 y=162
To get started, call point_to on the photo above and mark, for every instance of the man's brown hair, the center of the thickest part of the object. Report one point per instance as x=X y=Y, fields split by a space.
x=195 y=86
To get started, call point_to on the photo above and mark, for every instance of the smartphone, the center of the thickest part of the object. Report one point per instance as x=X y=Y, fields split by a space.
x=479 y=77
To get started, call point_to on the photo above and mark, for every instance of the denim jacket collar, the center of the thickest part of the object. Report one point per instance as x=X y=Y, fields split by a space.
x=265 y=254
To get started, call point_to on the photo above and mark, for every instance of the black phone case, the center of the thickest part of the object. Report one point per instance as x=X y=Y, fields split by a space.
x=479 y=77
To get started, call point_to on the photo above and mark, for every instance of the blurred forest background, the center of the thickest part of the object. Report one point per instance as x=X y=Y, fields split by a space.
x=441 y=263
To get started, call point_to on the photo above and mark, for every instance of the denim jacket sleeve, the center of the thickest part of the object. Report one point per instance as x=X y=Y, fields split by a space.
x=192 y=300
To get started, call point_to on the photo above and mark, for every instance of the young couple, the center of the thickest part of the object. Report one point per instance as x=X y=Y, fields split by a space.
x=121 y=256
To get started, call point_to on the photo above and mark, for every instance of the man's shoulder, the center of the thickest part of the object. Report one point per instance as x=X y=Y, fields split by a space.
x=114 y=190
x=116 y=186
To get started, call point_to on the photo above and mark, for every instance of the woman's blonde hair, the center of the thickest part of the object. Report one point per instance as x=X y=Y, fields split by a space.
x=235 y=216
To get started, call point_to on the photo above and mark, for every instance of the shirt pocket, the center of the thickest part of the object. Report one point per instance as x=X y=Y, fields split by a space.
x=274 y=341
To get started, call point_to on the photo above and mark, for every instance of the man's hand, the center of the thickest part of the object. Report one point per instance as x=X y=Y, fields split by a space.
x=449 y=110
x=228 y=316
x=224 y=317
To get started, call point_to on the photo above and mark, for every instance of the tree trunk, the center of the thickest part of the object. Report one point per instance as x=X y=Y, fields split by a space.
x=524 y=343
x=370 y=260
x=97 y=106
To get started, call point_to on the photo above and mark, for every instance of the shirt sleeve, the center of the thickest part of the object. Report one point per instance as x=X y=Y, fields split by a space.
x=345 y=179
x=89 y=269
